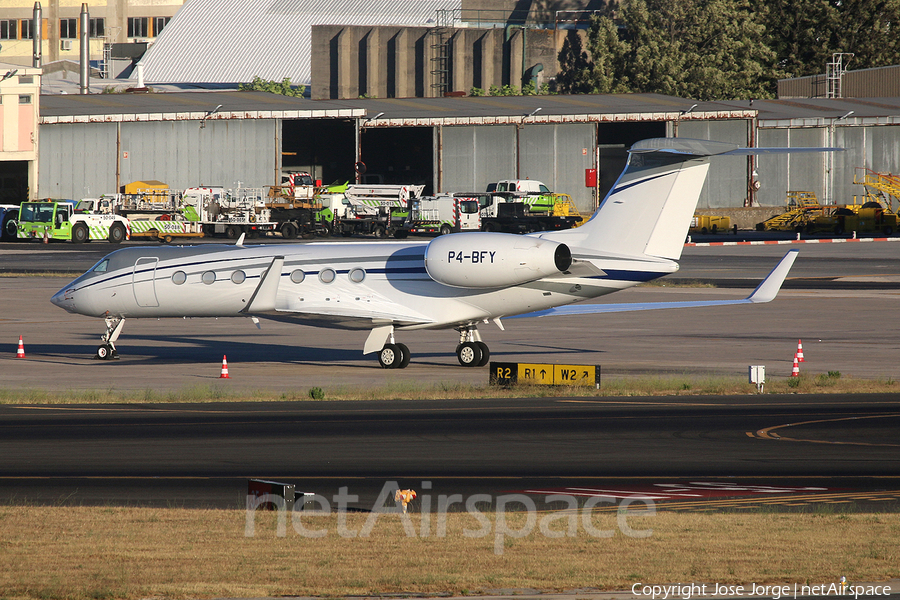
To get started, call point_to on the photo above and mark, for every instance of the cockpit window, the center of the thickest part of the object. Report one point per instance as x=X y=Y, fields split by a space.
x=100 y=267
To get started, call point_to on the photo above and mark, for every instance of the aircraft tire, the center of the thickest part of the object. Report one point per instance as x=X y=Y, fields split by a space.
x=105 y=352
x=404 y=362
x=485 y=354
x=469 y=354
x=390 y=356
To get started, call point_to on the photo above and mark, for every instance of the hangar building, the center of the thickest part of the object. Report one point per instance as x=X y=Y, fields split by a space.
x=94 y=144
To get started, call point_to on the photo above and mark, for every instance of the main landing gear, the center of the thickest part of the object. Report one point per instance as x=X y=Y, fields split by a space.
x=471 y=351
x=107 y=350
x=394 y=355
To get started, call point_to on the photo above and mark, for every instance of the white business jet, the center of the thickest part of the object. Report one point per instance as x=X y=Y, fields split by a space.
x=455 y=281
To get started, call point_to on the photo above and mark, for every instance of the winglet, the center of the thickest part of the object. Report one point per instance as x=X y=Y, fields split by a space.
x=768 y=289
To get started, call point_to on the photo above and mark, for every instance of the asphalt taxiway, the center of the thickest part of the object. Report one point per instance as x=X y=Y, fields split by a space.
x=713 y=450
x=190 y=455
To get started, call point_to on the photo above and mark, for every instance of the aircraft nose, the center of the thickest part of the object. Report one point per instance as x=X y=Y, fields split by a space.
x=65 y=299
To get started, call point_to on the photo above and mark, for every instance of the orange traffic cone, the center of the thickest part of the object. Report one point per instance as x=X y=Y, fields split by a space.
x=800 y=351
x=224 y=374
x=795 y=370
x=20 y=353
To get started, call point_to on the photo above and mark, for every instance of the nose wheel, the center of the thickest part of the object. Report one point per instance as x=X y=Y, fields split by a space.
x=107 y=350
x=471 y=351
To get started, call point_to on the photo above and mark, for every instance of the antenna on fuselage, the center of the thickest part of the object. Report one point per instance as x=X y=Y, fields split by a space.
x=240 y=241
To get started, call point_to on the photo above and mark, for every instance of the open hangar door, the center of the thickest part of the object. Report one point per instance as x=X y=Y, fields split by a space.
x=398 y=155
x=613 y=142
x=325 y=148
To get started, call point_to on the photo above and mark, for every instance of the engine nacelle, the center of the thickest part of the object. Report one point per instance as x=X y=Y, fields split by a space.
x=489 y=260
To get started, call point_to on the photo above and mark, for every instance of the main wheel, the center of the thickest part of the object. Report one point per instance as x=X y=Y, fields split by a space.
x=390 y=356
x=80 y=233
x=116 y=233
x=469 y=354
x=485 y=354
x=404 y=362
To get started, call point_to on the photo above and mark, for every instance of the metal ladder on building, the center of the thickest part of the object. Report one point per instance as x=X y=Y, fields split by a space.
x=440 y=60
x=834 y=73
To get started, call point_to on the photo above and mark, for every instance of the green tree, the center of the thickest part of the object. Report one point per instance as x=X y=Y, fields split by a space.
x=870 y=29
x=703 y=49
x=800 y=33
x=283 y=87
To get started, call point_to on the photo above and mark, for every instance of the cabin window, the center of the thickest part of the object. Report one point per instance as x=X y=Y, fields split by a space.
x=238 y=277
x=357 y=275
x=297 y=276
x=179 y=277
x=101 y=266
x=209 y=277
x=327 y=275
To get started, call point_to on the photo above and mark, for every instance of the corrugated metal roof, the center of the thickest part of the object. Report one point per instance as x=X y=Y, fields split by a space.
x=391 y=112
x=83 y=108
x=231 y=41
x=817 y=112
x=395 y=112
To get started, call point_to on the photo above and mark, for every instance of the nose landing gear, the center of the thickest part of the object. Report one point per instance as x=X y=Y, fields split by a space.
x=107 y=350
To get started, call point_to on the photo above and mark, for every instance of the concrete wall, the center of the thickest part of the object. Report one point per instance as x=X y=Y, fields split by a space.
x=403 y=62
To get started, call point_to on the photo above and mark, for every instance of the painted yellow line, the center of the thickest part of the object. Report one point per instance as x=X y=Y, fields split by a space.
x=769 y=432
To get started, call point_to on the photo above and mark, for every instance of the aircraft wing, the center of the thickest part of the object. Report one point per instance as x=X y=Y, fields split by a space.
x=368 y=312
x=764 y=292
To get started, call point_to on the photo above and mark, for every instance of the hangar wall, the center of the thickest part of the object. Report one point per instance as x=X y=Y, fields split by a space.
x=558 y=154
x=80 y=160
x=726 y=184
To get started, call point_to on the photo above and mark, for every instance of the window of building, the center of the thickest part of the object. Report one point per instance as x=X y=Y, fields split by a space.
x=98 y=28
x=24 y=98
x=68 y=29
x=26 y=25
x=138 y=27
x=9 y=29
x=159 y=23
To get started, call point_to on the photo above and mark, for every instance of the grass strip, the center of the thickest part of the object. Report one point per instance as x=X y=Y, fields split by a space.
x=675 y=385
x=82 y=553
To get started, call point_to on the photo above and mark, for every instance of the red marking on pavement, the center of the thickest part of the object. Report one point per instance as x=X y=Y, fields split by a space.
x=695 y=490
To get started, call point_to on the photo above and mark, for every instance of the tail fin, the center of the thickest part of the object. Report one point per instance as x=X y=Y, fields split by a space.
x=649 y=209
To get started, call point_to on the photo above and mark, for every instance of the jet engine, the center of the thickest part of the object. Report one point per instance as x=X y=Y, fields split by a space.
x=490 y=260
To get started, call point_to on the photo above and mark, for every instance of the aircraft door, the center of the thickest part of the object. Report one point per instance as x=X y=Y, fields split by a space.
x=144 y=281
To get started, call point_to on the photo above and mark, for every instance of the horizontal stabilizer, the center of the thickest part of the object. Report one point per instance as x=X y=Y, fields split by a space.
x=691 y=147
x=765 y=292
